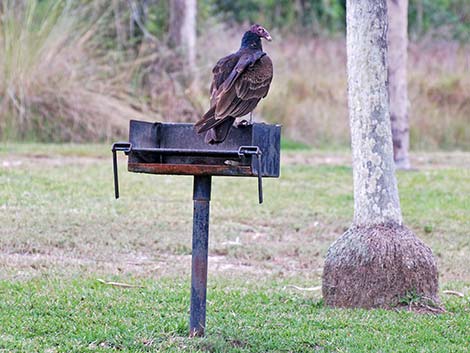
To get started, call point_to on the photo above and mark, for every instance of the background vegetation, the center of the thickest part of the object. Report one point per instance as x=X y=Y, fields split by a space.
x=445 y=19
x=62 y=230
x=78 y=71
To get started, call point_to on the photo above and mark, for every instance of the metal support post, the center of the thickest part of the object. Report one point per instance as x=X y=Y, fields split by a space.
x=201 y=197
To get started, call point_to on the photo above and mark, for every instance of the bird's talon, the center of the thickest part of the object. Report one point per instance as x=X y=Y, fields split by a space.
x=243 y=123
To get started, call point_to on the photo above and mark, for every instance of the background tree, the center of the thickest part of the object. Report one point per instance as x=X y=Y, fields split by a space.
x=377 y=260
x=133 y=34
x=397 y=76
x=182 y=28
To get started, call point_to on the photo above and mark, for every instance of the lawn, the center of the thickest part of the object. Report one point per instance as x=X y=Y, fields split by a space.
x=61 y=230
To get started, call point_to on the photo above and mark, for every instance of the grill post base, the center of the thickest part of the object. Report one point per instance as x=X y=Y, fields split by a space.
x=201 y=197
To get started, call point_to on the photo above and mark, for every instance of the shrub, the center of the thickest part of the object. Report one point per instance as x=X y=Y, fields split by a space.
x=56 y=84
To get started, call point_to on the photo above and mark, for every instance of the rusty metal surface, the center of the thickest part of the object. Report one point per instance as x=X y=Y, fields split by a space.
x=201 y=197
x=189 y=169
x=177 y=143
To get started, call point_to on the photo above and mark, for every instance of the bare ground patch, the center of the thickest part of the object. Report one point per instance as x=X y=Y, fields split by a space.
x=68 y=223
x=42 y=160
x=419 y=160
x=23 y=266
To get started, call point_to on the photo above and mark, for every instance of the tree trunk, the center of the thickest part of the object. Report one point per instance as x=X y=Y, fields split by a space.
x=182 y=32
x=375 y=187
x=177 y=12
x=397 y=77
x=378 y=260
x=119 y=26
x=419 y=17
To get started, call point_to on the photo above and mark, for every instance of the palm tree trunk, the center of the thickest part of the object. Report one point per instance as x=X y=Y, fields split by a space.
x=375 y=187
x=377 y=260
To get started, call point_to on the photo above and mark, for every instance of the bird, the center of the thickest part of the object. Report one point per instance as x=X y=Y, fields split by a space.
x=240 y=81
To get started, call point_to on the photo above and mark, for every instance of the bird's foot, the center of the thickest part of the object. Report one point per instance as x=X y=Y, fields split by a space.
x=243 y=123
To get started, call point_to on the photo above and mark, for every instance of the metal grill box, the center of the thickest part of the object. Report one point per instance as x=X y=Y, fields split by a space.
x=175 y=148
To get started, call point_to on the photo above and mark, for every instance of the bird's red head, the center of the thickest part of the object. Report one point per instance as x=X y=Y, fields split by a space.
x=260 y=31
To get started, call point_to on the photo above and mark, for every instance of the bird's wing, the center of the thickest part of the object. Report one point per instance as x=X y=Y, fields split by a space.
x=255 y=80
x=247 y=83
x=241 y=88
x=221 y=71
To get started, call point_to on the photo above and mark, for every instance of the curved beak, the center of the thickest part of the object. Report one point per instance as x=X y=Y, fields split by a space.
x=268 y=37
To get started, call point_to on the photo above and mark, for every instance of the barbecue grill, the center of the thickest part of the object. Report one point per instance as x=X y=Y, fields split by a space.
x=176 y=149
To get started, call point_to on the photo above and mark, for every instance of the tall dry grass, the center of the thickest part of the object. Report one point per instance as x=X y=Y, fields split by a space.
x=60 y=82
x=308 y=95
x=56 y=84
x=308 y=92
x=439 y=93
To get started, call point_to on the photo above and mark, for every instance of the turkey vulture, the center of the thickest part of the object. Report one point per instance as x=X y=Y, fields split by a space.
x=240 y=81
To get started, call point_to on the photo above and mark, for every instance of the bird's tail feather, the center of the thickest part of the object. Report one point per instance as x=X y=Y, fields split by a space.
x=220 y=132
x=208 y=121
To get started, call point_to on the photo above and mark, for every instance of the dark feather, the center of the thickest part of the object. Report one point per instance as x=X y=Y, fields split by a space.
x=240 y=81
x=255 y=81
x=206 y=122
x=221 y=70
x=220 y=133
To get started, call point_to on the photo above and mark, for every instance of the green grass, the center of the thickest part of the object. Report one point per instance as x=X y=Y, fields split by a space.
x=292 y=145
x=54 y=149
x=85 y=316
x=61 y=229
